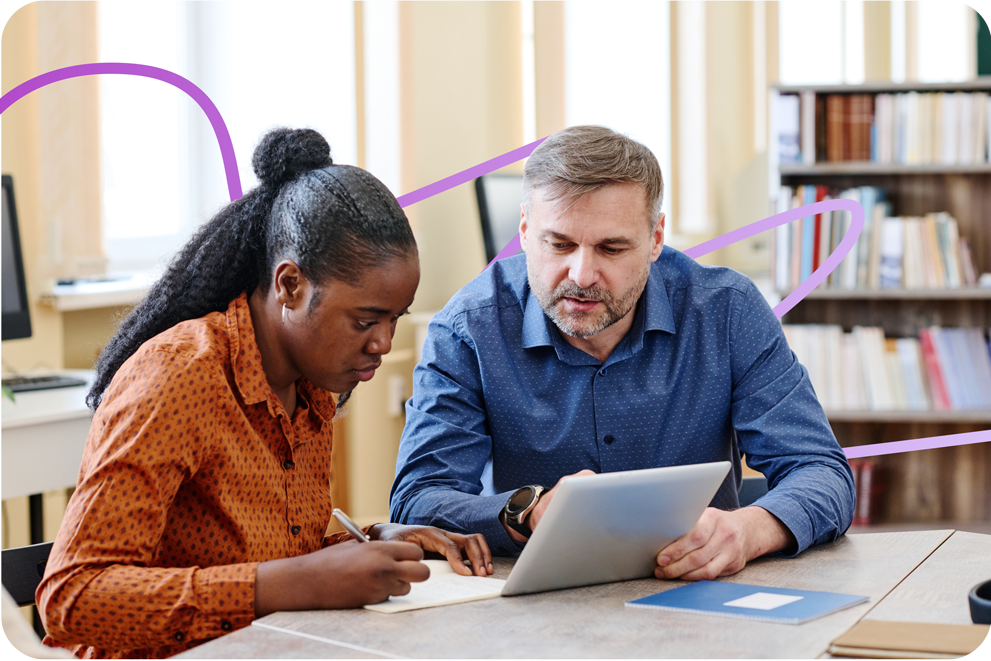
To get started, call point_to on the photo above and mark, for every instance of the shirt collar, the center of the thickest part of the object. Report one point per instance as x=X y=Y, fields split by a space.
x=249 y=377
x=653 y=314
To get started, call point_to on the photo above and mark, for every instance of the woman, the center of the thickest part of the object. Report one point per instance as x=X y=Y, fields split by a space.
x=203 y=496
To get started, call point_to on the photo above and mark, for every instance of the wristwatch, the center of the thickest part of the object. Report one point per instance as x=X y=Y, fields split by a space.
x=520 y=504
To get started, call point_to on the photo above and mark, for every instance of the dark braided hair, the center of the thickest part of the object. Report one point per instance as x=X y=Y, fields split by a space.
x=334 y=221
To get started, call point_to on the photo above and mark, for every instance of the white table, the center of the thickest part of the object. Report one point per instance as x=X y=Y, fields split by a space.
x=43 y=435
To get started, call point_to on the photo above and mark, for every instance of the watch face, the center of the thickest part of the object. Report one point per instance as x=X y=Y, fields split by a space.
x=519 y=500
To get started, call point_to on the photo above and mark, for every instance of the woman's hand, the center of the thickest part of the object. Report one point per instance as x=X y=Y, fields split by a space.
x=453 y=546
x=339 y=576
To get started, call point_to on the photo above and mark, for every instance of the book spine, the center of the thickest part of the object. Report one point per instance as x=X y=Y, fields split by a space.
x=938 y=393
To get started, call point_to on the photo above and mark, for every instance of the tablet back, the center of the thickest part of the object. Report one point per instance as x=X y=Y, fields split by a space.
x=610 y=527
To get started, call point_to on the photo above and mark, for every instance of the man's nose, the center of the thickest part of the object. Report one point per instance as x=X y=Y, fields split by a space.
x=584 y=270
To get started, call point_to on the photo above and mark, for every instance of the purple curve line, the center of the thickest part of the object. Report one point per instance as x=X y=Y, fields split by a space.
x=931 y=443
x=164 y=75
x=465 y=176
x=834 y=259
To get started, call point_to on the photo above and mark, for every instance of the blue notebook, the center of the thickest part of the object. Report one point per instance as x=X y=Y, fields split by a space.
x=752 y=602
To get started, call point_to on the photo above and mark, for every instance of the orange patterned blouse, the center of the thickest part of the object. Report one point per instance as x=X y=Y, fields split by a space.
x=193 y=473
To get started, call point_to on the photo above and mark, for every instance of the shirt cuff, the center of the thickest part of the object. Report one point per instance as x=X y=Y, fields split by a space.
x=793 y=517
x=485 y=519
x=226 y=596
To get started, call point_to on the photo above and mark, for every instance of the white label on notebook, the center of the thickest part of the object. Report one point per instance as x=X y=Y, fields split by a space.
x=763 y=601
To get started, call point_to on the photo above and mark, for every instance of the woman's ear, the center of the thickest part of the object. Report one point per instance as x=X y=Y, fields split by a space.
x=289 y=284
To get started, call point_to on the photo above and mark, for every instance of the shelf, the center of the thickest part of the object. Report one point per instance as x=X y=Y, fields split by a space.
x=964 y=293
x=99 y=293
x=962 y=417
x=982 y=84
x=871 y=168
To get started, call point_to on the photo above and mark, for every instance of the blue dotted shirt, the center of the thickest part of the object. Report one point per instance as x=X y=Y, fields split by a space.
x=500 y=400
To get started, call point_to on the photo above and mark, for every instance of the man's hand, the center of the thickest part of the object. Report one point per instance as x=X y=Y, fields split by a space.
x=533 y=518
x=339 y=576
x=722 y=543
x=451 y=545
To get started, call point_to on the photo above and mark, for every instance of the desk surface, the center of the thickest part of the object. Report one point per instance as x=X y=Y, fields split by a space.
x=44 y=433
x=593 y=621
x=937 y=591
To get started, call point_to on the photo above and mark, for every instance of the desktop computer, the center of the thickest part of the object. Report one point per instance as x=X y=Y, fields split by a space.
x=16 y=313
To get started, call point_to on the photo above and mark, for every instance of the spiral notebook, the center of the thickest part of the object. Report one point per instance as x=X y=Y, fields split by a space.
x=751 y=602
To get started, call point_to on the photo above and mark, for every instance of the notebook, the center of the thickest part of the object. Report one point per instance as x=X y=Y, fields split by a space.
x=751 y=602
x=444 y=587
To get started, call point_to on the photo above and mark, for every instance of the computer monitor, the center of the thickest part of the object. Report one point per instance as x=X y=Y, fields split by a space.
x=16 y=317
x=499 y=199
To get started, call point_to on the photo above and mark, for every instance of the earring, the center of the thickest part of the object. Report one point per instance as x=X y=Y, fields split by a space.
x=285 y=313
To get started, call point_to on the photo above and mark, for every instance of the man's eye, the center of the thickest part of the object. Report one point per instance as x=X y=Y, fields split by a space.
x=611 y=251
x=365 y=325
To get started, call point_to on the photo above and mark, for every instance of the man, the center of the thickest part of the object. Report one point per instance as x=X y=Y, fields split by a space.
x=601 y=350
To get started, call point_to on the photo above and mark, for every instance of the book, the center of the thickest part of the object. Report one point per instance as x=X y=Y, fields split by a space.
x=880 y=639
x=751 y=602
x=443 y=588
x=787 y=126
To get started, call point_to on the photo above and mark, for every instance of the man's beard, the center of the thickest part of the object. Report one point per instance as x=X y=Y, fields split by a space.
x=586 y=324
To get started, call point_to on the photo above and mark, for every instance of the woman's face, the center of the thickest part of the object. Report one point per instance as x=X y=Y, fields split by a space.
x=341 y=331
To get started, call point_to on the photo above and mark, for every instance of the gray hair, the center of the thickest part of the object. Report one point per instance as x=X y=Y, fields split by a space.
x=581 y=159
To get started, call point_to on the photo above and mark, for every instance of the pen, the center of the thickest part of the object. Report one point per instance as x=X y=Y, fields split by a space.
x=350 y=526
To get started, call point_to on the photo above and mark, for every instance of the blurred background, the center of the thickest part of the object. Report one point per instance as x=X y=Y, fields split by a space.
x=113 y=173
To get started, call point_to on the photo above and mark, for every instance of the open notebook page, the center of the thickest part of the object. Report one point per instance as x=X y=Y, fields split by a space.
x=444 y=587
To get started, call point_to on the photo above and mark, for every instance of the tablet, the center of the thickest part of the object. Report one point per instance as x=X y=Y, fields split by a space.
x=610 y=526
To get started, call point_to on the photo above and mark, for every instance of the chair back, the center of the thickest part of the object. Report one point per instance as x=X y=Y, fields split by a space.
x=22 y=570
x=753 y=487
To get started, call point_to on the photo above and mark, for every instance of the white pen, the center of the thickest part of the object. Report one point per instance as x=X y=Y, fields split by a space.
x=350 y=526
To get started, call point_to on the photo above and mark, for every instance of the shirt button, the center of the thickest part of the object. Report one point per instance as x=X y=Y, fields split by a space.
x=225 y=625
x=295 y=530
x=179 y=637
x=287 y=464
x=602 y=372
x=609 y=439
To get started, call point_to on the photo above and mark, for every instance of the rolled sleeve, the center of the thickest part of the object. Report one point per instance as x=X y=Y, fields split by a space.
x=784 y=432
x=445 y=445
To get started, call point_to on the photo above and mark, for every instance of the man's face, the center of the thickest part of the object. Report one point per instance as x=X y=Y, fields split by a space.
x=588 y=266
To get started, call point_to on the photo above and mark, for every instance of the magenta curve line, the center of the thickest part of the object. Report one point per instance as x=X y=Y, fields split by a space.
x=164 y=75
x=465 y=176
x=931 y=443
x=834 y=259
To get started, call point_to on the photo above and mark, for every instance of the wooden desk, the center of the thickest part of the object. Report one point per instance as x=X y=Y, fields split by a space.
x=44 y=433
x=937 y=591
x=593 y=621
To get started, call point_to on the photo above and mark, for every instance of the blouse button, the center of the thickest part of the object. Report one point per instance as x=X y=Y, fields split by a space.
x=179 y=637
x=287 y=464
x=295 y=530
x=225 y=625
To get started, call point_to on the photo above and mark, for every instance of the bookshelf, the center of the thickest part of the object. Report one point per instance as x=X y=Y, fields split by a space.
x=929 y=487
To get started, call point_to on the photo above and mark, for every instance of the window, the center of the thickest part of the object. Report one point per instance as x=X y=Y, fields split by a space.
x=163 y=174
x=621 y=54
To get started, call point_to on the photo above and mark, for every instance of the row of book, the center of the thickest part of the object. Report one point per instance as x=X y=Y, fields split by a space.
x=908 y=128
x=867 y=488
x=892 y=252
x=944 y=369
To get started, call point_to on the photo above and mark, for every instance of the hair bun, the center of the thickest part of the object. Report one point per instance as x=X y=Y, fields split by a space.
x=284 y=153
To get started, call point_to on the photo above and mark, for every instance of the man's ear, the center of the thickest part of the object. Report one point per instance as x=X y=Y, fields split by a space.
x=657 y=238
x=289 y=284
x=523 y=227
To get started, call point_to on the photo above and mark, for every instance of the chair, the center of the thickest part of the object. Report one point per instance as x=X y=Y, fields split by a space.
x=752 y=488
x=22 y=570
x=499 y=197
